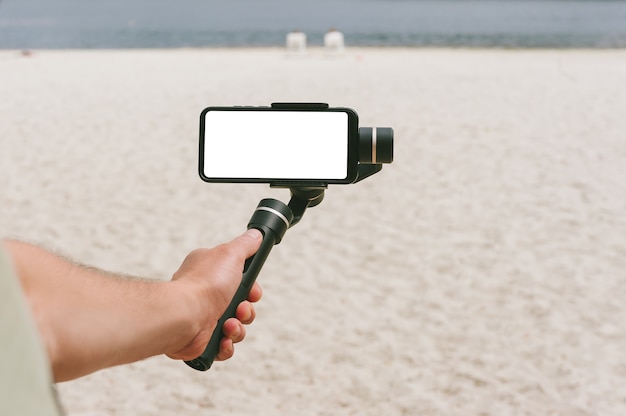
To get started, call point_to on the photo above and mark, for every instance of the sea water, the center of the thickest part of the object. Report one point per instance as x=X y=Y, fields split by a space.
x=28 y=24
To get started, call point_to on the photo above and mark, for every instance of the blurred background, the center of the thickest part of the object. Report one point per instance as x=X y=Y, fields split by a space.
x=198 y=23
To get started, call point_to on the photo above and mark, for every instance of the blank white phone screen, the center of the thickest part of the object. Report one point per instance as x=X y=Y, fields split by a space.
x=276 y=144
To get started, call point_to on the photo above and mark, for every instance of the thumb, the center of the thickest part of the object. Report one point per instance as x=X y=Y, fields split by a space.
x=248 y=242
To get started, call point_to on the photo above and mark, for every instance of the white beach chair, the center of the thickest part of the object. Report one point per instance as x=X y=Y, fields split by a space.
x=296 y=42
x=334 y=42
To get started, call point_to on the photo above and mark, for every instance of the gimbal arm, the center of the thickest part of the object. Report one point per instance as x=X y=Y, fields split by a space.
x=272 y=218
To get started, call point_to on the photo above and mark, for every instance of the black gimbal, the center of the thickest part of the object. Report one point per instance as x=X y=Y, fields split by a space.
x=371 y=147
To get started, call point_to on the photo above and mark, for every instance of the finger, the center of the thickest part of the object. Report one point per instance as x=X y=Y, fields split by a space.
x=227 y=349
x=245 y=313
x=248 y=242
x=234 y=330
x=256 y=293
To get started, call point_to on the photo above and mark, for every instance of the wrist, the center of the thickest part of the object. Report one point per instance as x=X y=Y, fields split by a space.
x=179 y=309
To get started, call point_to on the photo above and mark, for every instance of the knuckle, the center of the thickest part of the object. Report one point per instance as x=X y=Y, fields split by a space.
x=229 y=250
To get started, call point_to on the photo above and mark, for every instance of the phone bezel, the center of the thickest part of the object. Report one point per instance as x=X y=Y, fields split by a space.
x=352 y=143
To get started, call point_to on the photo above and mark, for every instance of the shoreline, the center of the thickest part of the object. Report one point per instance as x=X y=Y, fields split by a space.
x=316 y=48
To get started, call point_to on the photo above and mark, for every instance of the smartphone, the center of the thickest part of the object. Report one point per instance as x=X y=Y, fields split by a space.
x=281 y=144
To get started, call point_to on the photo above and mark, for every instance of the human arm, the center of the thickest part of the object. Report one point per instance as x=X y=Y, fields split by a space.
x=90 y=319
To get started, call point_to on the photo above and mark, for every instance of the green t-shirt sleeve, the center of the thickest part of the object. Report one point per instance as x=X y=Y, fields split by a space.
x=26 y=384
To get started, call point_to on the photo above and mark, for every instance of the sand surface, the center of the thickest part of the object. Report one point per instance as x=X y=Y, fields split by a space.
x=482 y=273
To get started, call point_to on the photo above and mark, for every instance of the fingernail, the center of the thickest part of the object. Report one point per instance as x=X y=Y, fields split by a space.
x=254 y=233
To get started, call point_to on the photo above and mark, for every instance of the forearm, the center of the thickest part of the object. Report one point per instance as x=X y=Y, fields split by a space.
x=91 y=320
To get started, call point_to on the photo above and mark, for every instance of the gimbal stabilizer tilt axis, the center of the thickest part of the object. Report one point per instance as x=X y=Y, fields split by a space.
x=371 y=148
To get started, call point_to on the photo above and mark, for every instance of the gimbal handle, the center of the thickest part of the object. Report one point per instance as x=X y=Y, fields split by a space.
x=272 y=218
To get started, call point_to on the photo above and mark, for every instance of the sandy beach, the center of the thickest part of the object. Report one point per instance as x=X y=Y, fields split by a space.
x=482 y=273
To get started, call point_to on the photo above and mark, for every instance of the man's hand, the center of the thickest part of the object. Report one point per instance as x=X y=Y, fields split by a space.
x=224 y=264
x=89 y=319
